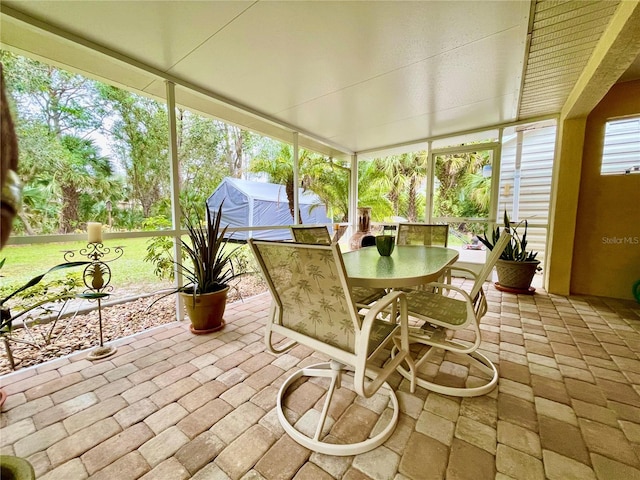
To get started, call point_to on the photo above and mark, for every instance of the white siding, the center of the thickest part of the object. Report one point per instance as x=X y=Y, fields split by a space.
x=621 y=152
x=538 y=147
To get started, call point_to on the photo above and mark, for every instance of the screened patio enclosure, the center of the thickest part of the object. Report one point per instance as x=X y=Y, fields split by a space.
x=357 y=79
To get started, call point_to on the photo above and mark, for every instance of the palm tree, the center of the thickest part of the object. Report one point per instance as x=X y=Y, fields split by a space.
x=329 y=179
x=279 y=169
x=478 y=190
x=333 y=190
x=458 y=181
x=405 y=173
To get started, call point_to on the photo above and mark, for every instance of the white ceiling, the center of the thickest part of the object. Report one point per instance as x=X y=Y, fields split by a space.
x=350 y=76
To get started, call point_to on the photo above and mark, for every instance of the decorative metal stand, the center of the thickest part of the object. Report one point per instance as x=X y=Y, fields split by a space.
x=97 y=279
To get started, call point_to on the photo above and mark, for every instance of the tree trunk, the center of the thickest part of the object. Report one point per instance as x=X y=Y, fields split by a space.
x=411 y=208
x=289 y=190
x=69 y=212
x=236 y=170
x=233 y=150
x=146 y=209
x=27 y=225
x=394 y=197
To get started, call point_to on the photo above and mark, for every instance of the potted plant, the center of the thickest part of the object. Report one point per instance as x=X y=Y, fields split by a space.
x=208 y=271
x=516 y=266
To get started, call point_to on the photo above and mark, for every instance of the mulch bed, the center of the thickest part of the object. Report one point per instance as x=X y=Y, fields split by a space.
x=82 y=331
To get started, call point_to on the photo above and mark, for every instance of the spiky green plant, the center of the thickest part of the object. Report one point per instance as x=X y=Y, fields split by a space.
x=516 y=249
x=211 y=267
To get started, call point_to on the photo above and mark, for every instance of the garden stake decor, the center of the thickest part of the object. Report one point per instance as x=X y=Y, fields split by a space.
x=97 y=279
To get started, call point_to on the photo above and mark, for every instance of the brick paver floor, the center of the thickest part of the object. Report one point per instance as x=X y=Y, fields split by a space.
x=172 y=405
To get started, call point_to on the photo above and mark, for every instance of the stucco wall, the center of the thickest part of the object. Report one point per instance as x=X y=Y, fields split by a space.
x=606 y=255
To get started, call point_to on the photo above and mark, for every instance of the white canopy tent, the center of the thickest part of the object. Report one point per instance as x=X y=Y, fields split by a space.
x=258 y=204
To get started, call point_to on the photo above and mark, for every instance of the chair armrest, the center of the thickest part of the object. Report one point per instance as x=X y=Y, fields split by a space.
x=380 y=305
x=462 y=269
x=448 y=286
x=402 y=323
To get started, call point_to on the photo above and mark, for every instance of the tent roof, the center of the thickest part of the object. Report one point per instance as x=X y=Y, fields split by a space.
x=270 y=192
x=347 y=76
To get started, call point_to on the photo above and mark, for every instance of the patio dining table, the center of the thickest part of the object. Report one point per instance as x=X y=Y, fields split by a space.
x=408 y=266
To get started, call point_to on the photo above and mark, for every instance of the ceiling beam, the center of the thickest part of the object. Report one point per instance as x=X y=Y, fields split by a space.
x=617 y=49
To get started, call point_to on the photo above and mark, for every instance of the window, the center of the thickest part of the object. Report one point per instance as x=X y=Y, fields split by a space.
x=621 y=152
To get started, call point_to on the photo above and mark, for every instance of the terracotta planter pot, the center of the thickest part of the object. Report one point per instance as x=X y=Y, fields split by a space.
x=364 y=228
x=206 y=311
x=516 y=275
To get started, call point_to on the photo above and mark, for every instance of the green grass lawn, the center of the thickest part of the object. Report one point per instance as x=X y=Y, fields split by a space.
x=24 y=262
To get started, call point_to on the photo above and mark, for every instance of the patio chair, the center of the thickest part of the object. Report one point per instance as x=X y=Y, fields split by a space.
x=423 y=234
x=363 y=296
x=312 y=305
x=443 y=316
x=436 y=235
x=311 y=235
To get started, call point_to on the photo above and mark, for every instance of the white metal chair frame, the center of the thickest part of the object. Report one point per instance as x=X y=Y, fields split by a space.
x=434 y=331
x=368 y=378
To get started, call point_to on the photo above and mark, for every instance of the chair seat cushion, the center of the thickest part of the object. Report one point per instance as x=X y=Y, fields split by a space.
x=437 y=308
x=366 y=295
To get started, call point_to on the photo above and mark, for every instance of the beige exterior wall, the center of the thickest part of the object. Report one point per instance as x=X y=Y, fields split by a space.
x=564 y=205
x=606 y=250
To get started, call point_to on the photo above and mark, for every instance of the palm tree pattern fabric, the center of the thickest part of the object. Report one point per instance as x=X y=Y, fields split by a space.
x=443 y=310
x=314 y=303
x=311 y=235
x=423 y=234
x=320 y=236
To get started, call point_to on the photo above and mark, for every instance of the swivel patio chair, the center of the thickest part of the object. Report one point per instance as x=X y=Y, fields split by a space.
x=431 y=235
x=312 y=305
x=363 y=296
x=442 y=317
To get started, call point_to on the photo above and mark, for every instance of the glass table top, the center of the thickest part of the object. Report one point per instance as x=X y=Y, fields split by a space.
x=408 y=265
